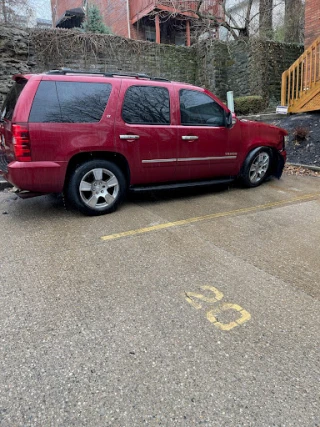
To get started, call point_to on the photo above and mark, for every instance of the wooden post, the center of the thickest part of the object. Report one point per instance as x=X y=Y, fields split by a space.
x=158 y=40
x=188 y=33
x=284 y=96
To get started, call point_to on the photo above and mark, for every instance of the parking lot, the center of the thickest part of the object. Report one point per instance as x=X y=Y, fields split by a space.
x=182 y=308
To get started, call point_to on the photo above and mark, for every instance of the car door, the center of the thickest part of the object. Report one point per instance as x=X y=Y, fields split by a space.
x=144 y=133
x=203 y=138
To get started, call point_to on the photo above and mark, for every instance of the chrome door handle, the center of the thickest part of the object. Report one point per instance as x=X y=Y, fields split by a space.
x=189 y=138
x=129 y=136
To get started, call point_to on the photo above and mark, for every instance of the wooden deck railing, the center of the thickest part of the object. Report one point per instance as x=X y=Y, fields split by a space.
x=137 y=7
x=302 y=77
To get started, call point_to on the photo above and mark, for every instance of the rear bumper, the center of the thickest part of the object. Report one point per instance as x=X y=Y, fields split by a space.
x=42 y=177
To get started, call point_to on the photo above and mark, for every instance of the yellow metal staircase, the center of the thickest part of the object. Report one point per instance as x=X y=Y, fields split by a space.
x=300 y=89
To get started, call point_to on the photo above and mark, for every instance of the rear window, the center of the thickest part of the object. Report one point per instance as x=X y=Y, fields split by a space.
x=69 y=102
x=11 y=99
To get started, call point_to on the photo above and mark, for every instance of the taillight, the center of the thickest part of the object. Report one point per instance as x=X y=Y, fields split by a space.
x=21 y=142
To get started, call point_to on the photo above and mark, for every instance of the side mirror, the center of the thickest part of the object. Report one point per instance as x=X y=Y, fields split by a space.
x=231 y=119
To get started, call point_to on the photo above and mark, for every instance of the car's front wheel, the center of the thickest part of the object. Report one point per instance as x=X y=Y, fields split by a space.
x=256 y=167
x=96 y=187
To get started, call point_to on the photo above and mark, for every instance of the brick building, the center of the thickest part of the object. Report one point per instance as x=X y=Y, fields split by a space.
x=312 y=21
x=161 y=21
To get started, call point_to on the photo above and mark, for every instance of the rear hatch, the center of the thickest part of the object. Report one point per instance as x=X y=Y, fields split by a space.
x=6 y=137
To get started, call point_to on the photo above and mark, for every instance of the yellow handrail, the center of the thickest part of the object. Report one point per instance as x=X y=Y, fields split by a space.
x=301 y=77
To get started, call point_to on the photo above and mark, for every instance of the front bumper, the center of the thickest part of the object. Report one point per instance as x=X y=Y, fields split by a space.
x=279 y=166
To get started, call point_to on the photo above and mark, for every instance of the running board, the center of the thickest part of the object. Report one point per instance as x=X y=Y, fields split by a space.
x=176 y=185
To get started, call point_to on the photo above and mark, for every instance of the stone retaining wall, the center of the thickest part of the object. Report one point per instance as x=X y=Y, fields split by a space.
x=246 y=68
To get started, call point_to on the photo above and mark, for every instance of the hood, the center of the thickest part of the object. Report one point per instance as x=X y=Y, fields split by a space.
x=262 y=127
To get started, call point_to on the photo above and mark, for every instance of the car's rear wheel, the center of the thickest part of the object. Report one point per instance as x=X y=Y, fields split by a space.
x=256 y=167
x=96 y=187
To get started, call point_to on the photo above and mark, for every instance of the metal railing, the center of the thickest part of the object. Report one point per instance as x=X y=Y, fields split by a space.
x=302 y=79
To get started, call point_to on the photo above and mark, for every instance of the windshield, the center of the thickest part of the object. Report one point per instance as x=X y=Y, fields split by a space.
x=11 y=99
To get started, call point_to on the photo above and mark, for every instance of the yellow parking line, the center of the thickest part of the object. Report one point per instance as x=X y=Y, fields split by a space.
x=165 y=225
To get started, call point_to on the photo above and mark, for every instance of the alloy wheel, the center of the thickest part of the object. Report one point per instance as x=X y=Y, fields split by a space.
x=99 y=188
x=259 y=167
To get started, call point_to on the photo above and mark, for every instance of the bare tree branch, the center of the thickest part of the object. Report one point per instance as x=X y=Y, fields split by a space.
x=240 y=26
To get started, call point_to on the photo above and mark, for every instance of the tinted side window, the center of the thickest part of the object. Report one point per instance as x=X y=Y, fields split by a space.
x=11 y=99
x=146 y=105
x=198 y=109
x=45 y=107
x=69 y=102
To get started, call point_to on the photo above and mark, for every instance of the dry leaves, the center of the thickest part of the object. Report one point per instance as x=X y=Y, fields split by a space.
x=299 y=170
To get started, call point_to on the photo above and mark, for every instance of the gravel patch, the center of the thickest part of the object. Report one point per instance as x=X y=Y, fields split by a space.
x=304 y=138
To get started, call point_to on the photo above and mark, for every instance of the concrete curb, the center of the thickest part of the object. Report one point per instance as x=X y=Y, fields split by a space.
x=298 y=165
x=263 y=117
x=270 y=116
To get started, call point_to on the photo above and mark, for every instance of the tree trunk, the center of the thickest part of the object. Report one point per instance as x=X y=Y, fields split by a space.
x=292 y=21
x=265 y=19
x=4 y=11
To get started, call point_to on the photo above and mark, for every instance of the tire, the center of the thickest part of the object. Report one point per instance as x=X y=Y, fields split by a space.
x=256 y=167
x=96 y=187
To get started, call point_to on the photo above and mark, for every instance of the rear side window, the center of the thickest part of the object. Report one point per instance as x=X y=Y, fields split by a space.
x=12 y=98
x=147 y=105
x=69 y=102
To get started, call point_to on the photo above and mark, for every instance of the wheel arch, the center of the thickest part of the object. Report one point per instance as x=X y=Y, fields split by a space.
x=277 y=162
x=114 y=157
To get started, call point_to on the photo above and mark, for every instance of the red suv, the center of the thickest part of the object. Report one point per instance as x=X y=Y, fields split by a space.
x=94 y=136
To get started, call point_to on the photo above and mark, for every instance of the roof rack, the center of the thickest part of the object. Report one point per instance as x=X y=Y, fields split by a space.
x=65 y=71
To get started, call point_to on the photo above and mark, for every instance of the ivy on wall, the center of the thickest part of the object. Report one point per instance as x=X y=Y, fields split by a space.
x=245 y=67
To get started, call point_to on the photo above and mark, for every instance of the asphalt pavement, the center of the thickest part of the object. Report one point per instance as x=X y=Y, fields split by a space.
x=182 y=308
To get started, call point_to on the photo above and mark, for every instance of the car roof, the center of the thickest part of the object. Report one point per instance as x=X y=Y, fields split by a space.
x=101 y=77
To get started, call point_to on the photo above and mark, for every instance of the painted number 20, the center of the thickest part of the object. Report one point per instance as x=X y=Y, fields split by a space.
x=217 y=308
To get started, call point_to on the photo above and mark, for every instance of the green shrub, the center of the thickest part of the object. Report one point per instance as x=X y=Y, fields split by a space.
x=94 y=22
x=245 y=105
